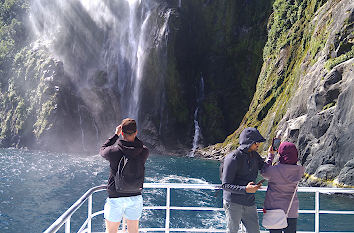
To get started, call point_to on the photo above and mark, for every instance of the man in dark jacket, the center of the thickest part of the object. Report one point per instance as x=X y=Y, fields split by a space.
x=240 y=171
x=124 y=203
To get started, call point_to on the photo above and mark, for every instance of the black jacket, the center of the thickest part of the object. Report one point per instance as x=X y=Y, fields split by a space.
x=241 y=167
x=113 y=154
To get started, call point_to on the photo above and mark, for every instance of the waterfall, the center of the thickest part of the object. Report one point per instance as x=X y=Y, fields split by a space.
x=196 y=123
x=97 y=131
x=108 y=41
x=162 y=33
x=81 y=129
x=125 y=49
x=196 y=133
x=138 y=46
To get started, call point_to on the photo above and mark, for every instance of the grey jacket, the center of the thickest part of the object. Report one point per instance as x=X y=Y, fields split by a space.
x=241 y=167
x=282 y=180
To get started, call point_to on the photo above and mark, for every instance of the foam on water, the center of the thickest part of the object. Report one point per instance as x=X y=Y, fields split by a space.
x=181 y=179
x=37 y=187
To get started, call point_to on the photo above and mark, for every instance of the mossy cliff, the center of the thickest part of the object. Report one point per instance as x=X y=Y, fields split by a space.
x=219 y=41
x=38 y=111
x=43 y=105
x=12 y=34
x=305 y=90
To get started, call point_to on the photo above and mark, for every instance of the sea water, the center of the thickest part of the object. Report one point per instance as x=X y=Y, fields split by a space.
x=36 y=187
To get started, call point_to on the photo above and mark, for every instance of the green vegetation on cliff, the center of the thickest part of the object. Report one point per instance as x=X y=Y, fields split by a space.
x=29 y=100
x=12 y=33
x=28 y=93
x=294 y=39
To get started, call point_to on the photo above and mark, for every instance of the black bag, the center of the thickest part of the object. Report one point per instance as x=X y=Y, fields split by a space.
x=130 y=175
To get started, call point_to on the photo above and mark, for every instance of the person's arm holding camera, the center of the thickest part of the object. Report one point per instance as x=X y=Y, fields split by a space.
x=107 y=149
x=271 y=155
x=268 y=162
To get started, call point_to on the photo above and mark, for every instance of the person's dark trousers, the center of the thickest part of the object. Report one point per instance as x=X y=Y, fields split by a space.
x=291 y=228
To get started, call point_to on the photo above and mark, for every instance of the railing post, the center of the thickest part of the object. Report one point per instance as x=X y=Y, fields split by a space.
x=167 y=224
x=124 y=225
x=317 y=212
x=67 y=225
x=89 y=213
x=242 y=228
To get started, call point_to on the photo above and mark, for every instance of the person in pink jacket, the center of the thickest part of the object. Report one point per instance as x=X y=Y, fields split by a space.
x=282 y=181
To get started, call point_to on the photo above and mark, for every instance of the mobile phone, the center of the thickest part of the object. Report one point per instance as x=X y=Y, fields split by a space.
x=275 y=143
x=261 y=181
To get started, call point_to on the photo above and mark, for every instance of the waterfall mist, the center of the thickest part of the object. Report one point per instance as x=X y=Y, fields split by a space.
x=103 y=46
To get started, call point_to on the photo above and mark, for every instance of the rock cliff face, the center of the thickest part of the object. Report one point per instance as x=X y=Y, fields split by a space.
x=40 y=107
x=44 y=106
x=219 y=41
x=305 y=90
x=68 y=83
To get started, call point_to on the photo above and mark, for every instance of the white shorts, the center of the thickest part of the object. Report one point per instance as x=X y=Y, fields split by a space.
x=128 y=207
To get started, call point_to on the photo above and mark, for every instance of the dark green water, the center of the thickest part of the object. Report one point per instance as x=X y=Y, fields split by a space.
x=37 y=187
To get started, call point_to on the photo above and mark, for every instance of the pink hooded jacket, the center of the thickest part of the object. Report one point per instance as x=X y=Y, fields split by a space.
x=282 y=179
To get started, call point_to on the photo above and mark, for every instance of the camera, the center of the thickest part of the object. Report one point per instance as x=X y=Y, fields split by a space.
x=275 y=144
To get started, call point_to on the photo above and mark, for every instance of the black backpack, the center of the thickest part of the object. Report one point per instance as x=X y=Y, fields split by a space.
x=130 y=175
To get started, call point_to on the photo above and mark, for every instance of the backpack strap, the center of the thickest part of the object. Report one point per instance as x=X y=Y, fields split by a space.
x=125 y=161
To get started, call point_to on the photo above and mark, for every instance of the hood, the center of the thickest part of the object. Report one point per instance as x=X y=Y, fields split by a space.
x=288 y=153
x=130 y=149
x=248 y=137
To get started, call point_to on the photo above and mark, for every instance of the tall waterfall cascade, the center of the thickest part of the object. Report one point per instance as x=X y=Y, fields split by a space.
x=108 y=41
x=196 y=114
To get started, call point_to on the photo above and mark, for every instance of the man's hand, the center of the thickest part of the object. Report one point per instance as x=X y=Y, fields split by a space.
x=252 y=187
x=119 y=130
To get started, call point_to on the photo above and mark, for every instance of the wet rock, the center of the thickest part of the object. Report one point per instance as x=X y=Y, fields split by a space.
x=326 y=138
x=346 y=175
x=327 y=172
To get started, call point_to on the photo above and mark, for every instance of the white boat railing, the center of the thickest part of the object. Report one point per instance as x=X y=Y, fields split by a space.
x=65 y=218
